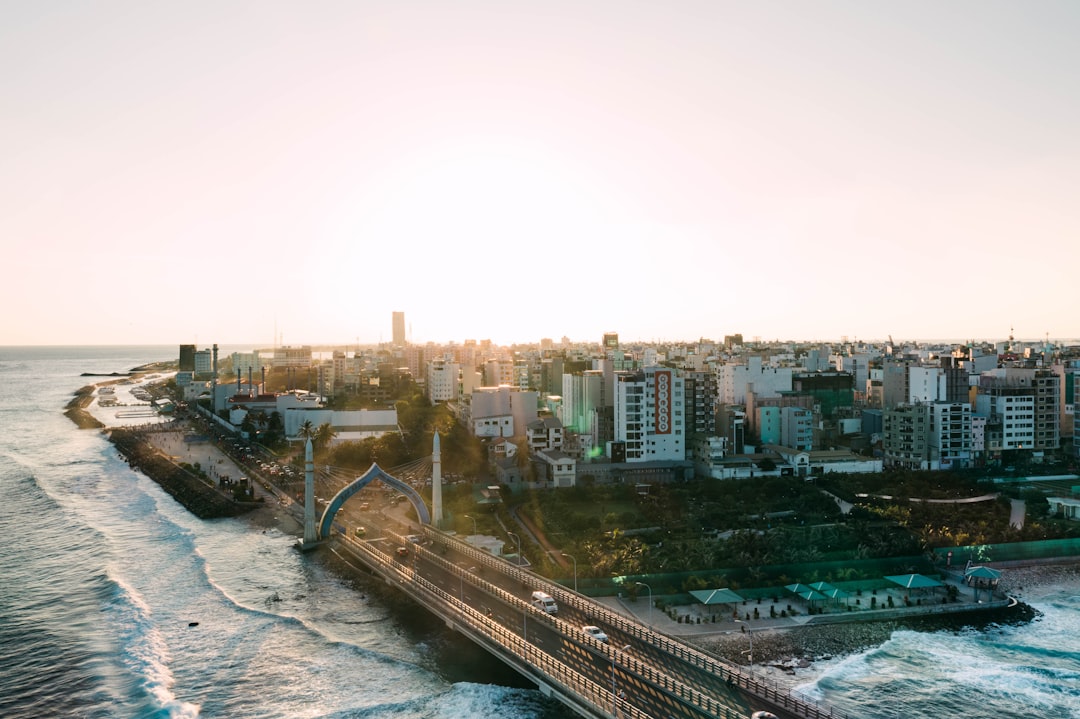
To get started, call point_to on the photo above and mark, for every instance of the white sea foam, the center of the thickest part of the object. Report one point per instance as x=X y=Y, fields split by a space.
x=145 y=651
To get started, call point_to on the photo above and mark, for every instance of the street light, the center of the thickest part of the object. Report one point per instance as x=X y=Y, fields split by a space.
x=614 y=695
x=517 y=540
x=750 y=636
x=575 y=568
x=469 y=516
x=643 y=584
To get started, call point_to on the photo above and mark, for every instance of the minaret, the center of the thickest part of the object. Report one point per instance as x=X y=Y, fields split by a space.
x=310 y=536
x=436 y=483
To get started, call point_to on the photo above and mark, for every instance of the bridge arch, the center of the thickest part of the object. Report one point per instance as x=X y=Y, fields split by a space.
x=374 y=472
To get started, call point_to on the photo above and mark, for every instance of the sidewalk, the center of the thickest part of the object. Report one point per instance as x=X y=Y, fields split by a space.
x=699 y=621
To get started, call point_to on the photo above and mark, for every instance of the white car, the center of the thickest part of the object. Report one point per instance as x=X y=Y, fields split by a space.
x=763 y=715
x=595 y=632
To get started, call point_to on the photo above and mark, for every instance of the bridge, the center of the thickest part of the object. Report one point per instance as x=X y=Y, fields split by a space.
x=638 y=673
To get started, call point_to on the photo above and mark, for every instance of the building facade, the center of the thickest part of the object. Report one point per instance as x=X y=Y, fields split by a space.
x=649 y=415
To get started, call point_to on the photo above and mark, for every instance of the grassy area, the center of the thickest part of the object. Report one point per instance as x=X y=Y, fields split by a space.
x=767 y=530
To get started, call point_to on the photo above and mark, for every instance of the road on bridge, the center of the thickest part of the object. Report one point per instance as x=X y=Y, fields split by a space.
x=642 y=673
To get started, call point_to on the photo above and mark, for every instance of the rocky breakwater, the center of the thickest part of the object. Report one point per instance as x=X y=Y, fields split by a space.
x=793 y=647
x=76 y=409
x=199 y=497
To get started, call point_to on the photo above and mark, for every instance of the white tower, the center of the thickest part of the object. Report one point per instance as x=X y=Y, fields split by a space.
x=310 y=536
x=436 y=483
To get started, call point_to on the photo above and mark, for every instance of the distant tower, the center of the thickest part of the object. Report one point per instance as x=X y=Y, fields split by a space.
x=399 y=329
x=610 y=341
x=436 y=483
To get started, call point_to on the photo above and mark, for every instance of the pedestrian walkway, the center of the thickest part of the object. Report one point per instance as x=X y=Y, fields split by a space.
x=699 y=620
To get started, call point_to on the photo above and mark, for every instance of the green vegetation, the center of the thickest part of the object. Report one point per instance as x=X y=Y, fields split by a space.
x=418 y=420
x=773 y=530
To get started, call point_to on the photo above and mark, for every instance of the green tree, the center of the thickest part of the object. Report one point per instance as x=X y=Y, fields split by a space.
x=323 y=436
x=307 y=430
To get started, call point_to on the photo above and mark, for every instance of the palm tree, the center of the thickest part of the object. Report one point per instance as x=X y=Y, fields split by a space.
x=324 y=435
x=307 y=430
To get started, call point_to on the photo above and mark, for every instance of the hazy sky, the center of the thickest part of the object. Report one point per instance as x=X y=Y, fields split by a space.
x=217 y=171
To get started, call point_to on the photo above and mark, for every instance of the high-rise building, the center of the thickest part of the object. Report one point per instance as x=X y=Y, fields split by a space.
x=1021 y=406
x=442 y=381
x=399 y=329
x=187 y=358
x=649 y=414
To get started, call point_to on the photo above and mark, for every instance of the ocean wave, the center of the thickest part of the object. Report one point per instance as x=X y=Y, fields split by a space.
x=145 y=652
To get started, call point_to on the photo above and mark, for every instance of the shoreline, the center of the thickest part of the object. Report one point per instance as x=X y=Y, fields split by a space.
x=781 y=649
x=785 y=649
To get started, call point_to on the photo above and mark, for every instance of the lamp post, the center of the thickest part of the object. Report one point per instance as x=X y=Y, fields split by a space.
x=614 y=694
x=469 y=516
x=750 y=636
x=517 y=541
x=643 y=584
x=575 y=568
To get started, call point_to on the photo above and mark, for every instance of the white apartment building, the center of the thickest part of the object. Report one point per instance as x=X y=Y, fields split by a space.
x=442 y=381
x=499 y=372
x=1022 y=408
x=926 y=385
x=732 y=380
x=582 y=394
x=501 y=411
x=649 y=415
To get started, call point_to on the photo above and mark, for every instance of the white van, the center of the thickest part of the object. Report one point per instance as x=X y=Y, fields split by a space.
x=544 y=601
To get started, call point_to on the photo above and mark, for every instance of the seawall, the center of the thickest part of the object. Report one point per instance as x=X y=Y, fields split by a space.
x=200 y=498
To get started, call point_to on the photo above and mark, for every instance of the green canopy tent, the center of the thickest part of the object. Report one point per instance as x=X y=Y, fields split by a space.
x=831 y=592
x=983 y=573
x=805 y=592
x=982 y=578
x=712 y=597
x=716 y=596
x=914 y=581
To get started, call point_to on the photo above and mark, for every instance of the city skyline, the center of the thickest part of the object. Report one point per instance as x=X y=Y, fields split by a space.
x=788 y=171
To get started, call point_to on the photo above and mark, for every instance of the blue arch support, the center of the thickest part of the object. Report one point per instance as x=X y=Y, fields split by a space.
x=373 y=473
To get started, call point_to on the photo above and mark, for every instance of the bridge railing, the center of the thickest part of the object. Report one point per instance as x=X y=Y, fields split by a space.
x=747 y=682
x=660 y=680
x=599 y=698
x=628 y=663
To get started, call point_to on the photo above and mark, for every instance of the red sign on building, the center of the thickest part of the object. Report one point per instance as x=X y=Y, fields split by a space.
x=662 y=384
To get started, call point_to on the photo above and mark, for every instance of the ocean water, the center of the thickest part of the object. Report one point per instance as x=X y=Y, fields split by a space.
x=103 y=575
x=1029 y=669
